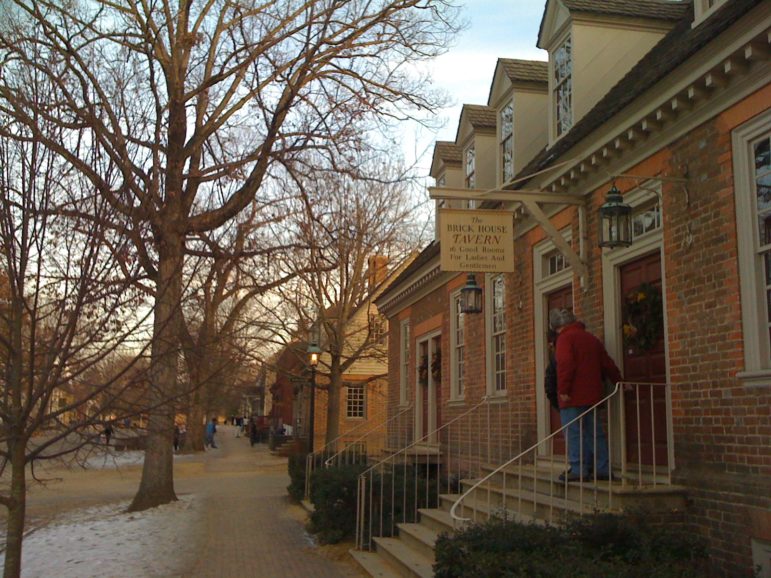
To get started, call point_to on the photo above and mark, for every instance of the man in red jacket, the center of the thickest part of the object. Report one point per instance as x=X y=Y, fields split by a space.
x=582 y=365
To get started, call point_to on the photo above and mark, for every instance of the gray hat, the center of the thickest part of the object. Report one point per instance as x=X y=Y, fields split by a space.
x=560 y=317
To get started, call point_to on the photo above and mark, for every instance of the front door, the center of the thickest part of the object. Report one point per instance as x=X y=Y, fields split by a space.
x=429 y=387
x=560 y=299
x=644 y=360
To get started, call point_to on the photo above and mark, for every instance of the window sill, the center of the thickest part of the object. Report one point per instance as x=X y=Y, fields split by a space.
x=403 y=405
x=755 y=378
x=498 y=397
x=458 y=401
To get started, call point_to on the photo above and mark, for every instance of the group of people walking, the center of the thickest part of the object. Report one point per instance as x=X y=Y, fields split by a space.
x=574 y=382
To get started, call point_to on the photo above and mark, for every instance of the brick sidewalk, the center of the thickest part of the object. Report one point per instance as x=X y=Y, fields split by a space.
x=252 y=530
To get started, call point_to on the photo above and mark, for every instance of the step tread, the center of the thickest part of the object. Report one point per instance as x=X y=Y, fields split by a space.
x=420 y=532
x=442 y=516
x=617 y=486
x=416 y=562
x=373 y=564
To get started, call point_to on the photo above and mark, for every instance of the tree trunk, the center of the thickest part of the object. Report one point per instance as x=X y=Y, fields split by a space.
x=333 y=403
x=195 y=426
x=16 y=510
x=157 y=485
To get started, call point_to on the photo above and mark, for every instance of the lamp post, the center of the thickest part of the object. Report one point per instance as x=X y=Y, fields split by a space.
x=313 y=360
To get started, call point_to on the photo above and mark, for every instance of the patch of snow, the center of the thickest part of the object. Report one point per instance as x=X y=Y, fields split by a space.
x=108 y=542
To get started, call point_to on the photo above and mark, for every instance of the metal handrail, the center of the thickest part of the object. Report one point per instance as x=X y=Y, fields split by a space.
x=619 y=388
x=371 y=497
x=424 y=438
x=328 y=461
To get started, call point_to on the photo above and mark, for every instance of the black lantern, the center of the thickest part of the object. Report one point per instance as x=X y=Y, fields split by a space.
x=471 y=296
x=615 y=221
x=313 y=359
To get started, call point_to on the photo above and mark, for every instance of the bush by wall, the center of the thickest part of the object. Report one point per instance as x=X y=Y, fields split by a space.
x=333 y=494
x=603 y=545
x=296 y=466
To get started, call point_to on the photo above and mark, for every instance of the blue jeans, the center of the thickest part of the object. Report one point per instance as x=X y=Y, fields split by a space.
x=581 y=443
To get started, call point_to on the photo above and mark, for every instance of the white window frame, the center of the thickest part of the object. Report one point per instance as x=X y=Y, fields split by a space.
x=361 y=401
x=567 y=81
x=757 y=345
x=506 y=140
x=469 y=167
x=404 y=356
x=457 y=349
x=496 y=334
x=703 y=9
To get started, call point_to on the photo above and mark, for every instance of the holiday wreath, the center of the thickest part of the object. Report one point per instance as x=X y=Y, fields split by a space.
x=643 y=317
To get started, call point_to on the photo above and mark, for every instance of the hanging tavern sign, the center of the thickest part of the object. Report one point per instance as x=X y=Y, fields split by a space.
x=476 y=241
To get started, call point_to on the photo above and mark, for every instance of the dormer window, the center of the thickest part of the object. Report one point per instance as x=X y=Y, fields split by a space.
x=470 y=168
x=703 y=9
x=562 y=93
x=507 y=142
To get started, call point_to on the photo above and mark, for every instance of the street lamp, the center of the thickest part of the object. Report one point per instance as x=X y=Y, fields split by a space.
x=471 y=296
x=313 y=353
x=615 y=221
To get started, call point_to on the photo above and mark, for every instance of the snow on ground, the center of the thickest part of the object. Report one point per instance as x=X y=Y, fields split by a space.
x=107 y=542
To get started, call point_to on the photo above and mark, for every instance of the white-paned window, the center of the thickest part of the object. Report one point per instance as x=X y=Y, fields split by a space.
x=646 y=219
x=507 y=142
x=562 y=95
x=354 y=407
x=470 y=168
x=404 y=349
x=457 y=360
x=378 y=328
x=752 y=177
x=497 y=334
x=554 y=262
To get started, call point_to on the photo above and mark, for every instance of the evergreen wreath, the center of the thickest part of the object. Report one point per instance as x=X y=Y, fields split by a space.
x=423 y=371
x=643 y=316
x=436 y=366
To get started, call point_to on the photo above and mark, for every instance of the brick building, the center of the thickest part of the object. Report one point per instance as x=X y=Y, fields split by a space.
x=671 y=103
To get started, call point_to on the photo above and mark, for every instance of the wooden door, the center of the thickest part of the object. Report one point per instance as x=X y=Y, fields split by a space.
x=435 y=381
x=560 y=299
x=645 y=414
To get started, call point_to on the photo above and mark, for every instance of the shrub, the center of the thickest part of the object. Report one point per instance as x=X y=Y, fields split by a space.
x=602 y=545
x=296 y=466
x=333 y=494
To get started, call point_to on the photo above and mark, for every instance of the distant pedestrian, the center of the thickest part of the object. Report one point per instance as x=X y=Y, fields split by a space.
x=211 y=429
x=107 y=433
x=252 y=429
x=177 y=437
x=582 y=365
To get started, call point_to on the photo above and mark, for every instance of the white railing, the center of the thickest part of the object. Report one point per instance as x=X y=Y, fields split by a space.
x=358 y=447
x=394 y=489
x=527 y=486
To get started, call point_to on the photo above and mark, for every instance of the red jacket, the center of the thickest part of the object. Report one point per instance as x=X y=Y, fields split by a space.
x=582 y=363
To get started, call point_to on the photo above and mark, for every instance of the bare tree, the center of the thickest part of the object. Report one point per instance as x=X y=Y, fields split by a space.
x=358 y=229
x=64 y=312
x=189 y=105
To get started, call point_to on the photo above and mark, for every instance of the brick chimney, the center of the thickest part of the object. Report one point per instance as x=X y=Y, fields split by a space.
x=377 y=270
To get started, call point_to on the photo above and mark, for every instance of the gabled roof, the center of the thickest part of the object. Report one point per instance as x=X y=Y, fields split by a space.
x=663 y=10
x=478 y=115
x=447 y=152
x=651 y=9
x=681 y=43
x=525 y=70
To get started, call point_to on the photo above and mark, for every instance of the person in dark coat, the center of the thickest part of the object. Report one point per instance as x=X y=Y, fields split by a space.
x=582 y=366
x=550 y=377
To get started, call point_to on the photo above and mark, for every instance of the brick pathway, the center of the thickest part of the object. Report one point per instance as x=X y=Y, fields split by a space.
x=252 y=531
x=249 y=527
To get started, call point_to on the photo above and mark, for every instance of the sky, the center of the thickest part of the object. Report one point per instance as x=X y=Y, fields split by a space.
x=494 y=29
